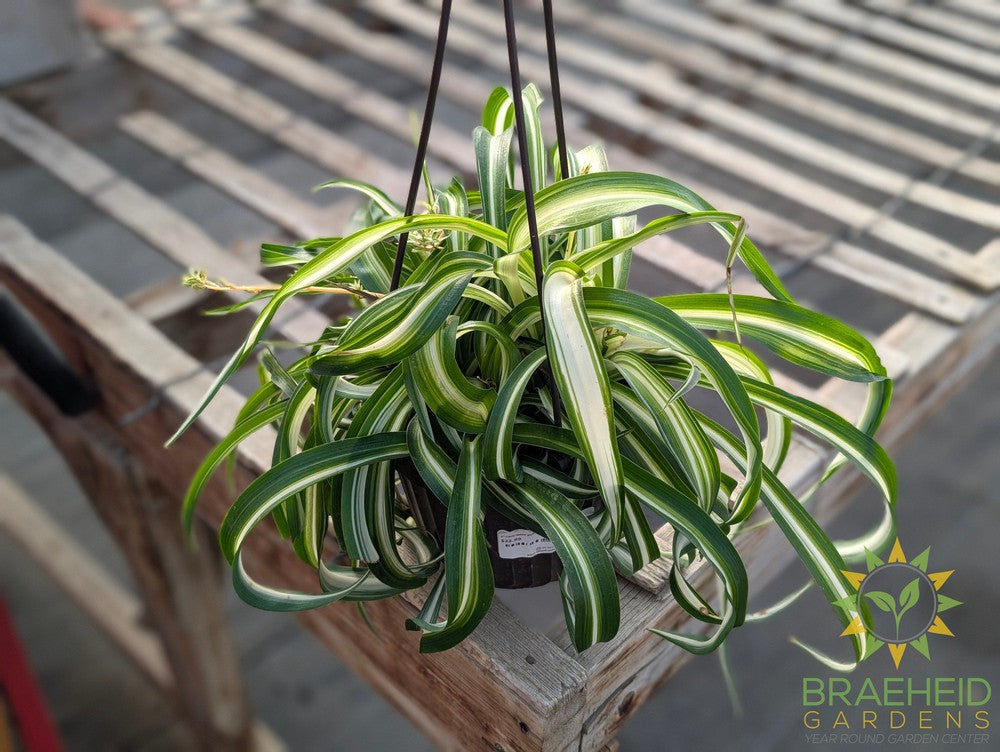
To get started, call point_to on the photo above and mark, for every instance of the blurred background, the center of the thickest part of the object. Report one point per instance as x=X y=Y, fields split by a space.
x=225 y=114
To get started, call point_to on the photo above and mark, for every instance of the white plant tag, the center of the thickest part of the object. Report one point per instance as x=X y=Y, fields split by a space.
x=521 y=544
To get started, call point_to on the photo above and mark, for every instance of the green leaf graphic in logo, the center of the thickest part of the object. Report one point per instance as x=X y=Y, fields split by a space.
x=874 y=595
x=908 y=598
x=883 y=600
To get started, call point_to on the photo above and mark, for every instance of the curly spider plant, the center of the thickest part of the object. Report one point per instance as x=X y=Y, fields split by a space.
x=457 y=372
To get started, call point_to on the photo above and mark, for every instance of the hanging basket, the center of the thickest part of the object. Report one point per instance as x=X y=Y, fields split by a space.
x=520 y=558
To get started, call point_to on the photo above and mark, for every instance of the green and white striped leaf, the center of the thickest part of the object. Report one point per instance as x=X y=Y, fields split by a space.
x=678 y=426
x=468 y=573
x=329 y=262
x=498 y=112
x=589 y=573
x=798 y=335
x=641 y=544
x=270 y=598
x=401 y=323
x=810 y=542
x=492 y=161
x=608 y=250
x=367 y=508
x=565 y=484
x=298 y=473
x=378 y=196
x=590 y=199
x=857 y=446
x=449 y=394
x=779 y=428
x=705 y=534
x=537 y=163
x=801 y=336
x=438 y=471
x=642 y=317
x=454 y=200
x=498 y=451
x=498 y=354
x=578 y=370
x=245 y=428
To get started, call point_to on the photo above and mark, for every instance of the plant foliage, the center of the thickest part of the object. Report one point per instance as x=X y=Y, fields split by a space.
x=455 y=371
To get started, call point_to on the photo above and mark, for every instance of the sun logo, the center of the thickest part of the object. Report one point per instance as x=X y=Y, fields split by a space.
x=897 y=603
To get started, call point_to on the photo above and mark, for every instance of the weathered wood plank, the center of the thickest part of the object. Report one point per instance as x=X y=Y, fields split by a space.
x=337 y=154
x=979 y=10
x=892 y=32
x=150 y=218
x=705 y=61
x=162 y=299
x=842 y=258
x=245 y=184
x=713 y=149
x=697 y=102
x=180 y=587
x=448 y=144
x=118 y=613
x=941 y=20
x=766 y=227
x=854 y=49
x=504 y=676
x=753 y=45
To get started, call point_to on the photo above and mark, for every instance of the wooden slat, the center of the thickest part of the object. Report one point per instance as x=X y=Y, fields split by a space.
x=841 y=258
x=713 y=150
x=704 y=61
x=161 y=300
x=607 y=102
x=116 y=612
x=245 y=184
x=924 y=43
x=362 y=101
x=941 y=20
x=792 y=27
x=337 y=154
x=747 y=43
x=979 y=10
x=489 y=677
x=150 y=218
x=695 y=101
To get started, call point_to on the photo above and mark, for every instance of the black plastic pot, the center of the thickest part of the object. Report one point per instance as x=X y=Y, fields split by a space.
x=520 y=558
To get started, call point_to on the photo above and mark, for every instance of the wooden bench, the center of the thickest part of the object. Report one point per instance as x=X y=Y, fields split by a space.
x=806 y=135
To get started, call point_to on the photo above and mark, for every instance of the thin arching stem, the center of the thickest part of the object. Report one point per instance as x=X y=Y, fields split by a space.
x=425 y=132
x=529 y=193
x=557 y=106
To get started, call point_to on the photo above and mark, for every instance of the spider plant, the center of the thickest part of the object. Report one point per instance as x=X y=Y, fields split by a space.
x=462 y=371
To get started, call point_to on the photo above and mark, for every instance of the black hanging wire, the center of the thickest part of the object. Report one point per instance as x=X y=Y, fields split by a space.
x=519 y=119
x=529 y=192
x=425 y=132
x=550 y=44
x=522 y=144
